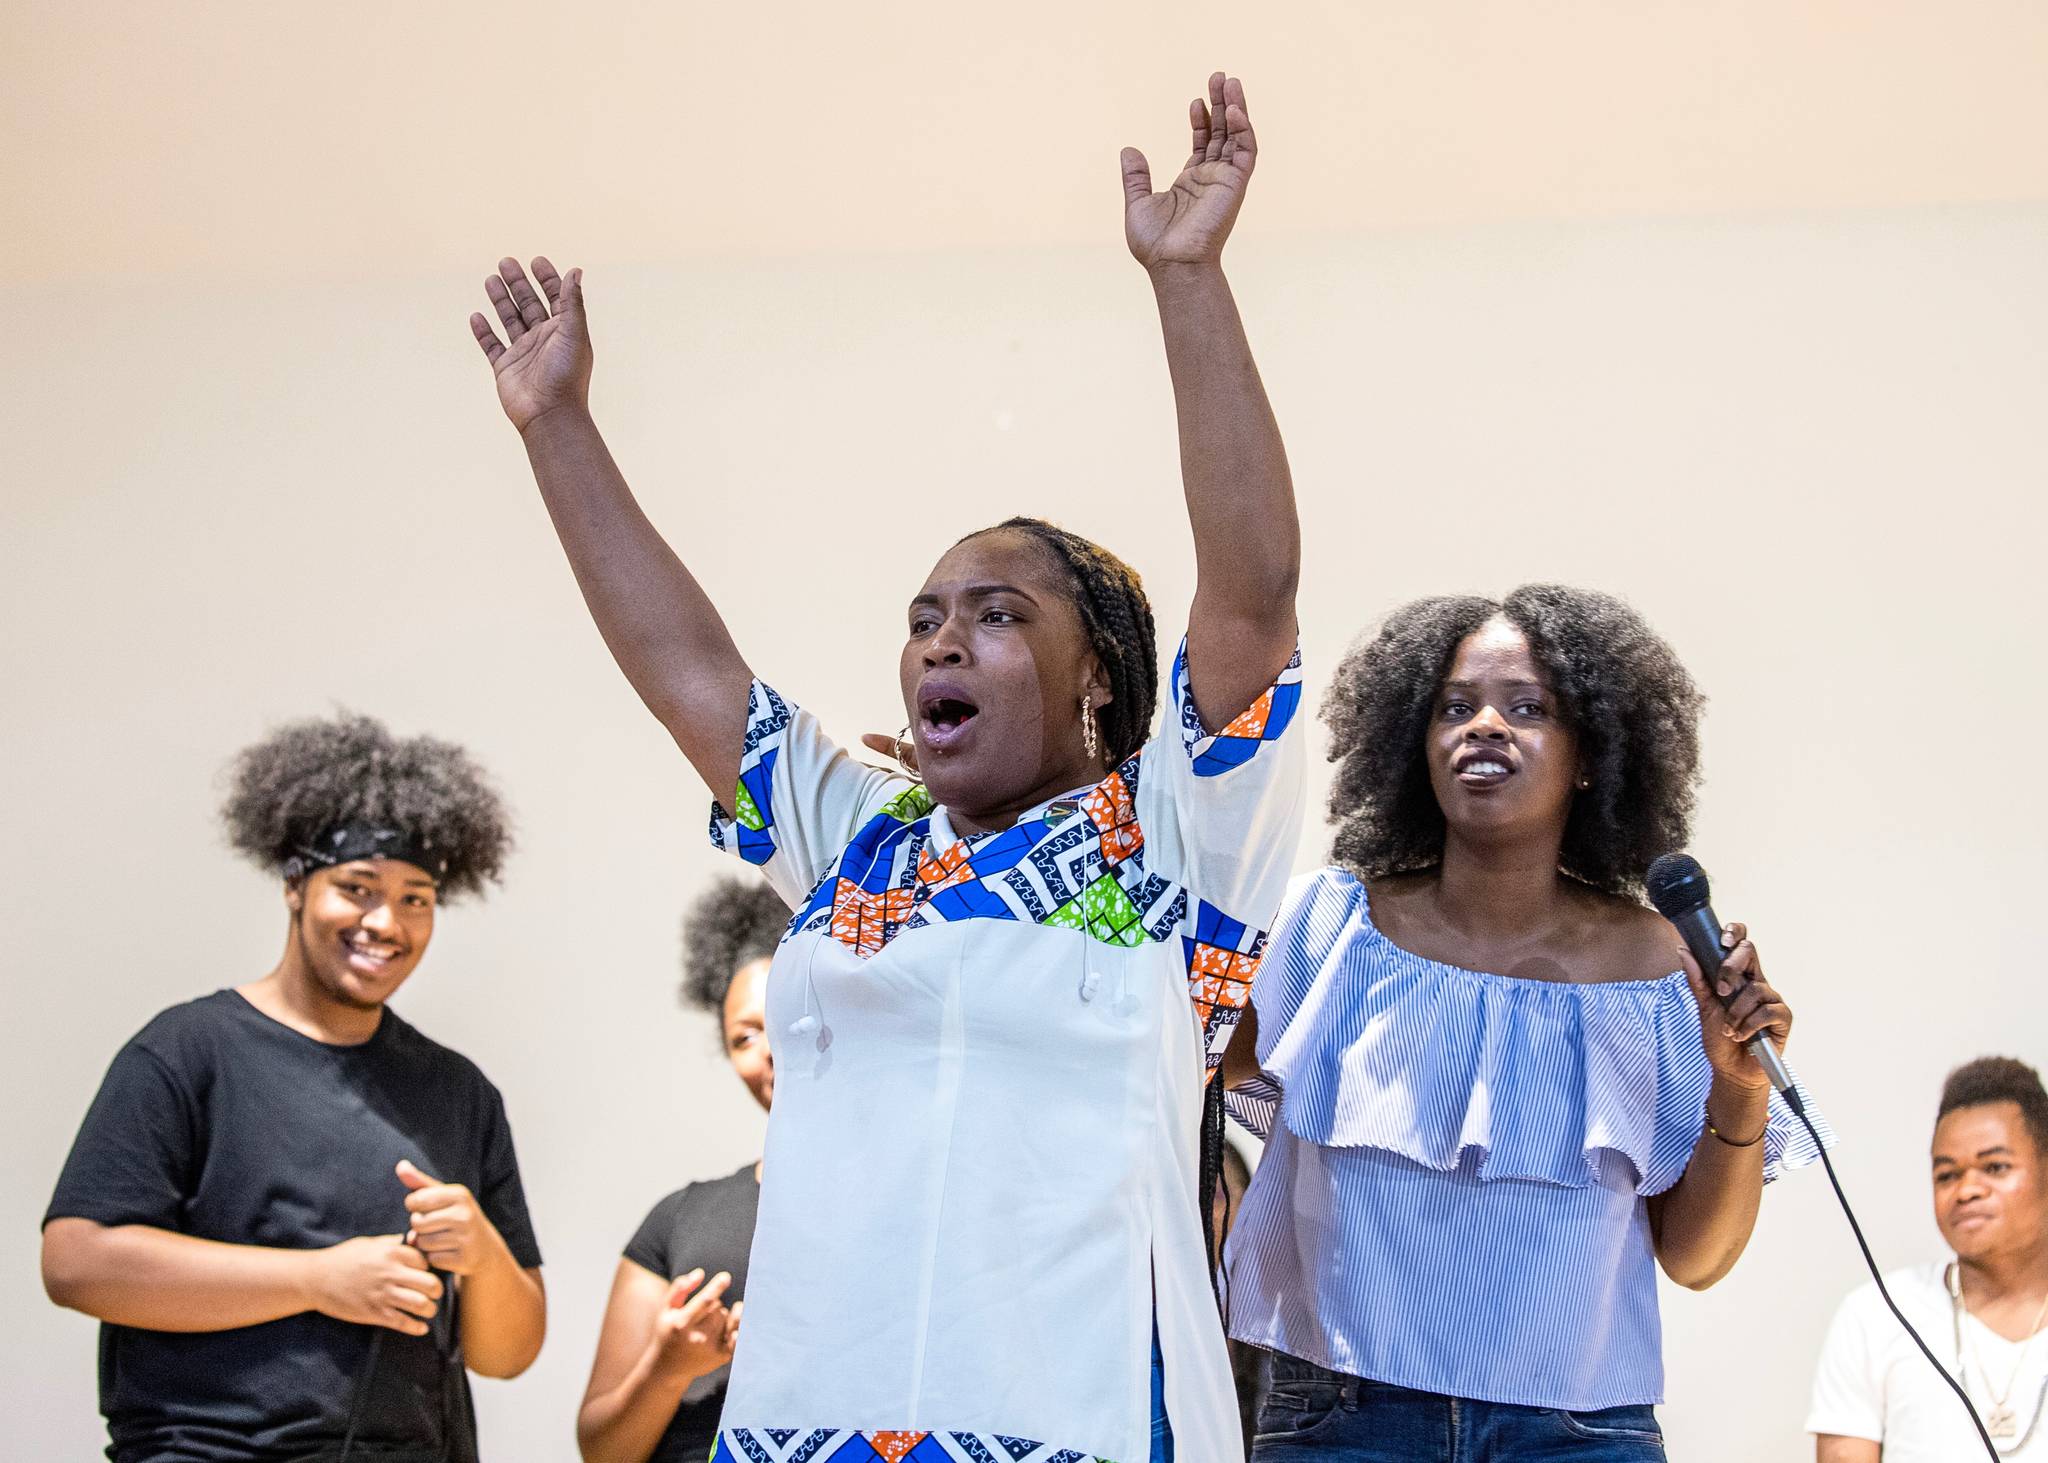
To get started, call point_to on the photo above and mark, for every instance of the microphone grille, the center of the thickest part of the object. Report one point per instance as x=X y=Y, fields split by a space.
x=1676 y=884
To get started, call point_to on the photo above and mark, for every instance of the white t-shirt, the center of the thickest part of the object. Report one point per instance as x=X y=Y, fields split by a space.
x=1872 y=1382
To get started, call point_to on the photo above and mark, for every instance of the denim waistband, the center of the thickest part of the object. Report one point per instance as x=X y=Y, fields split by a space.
x=1285 y=1372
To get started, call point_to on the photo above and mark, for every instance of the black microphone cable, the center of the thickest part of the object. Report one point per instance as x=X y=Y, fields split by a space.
x=1798 y=1106
x=1678 y=887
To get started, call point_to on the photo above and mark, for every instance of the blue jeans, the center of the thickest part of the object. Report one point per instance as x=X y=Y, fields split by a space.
x=1311 y=1415
x=1162 y=1433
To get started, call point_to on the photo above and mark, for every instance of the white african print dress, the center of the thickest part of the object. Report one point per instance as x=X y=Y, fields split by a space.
x=980 y=1173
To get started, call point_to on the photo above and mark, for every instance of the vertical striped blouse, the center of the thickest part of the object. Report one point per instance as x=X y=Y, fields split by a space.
x=1453 y=1193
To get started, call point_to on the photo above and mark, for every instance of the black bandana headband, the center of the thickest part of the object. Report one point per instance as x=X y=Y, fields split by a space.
x=353 y=841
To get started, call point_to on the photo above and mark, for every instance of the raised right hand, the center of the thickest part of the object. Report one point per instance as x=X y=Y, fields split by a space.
x=694 y=1335
x=547 y=364
x=1189 y=222
x=377 y=1280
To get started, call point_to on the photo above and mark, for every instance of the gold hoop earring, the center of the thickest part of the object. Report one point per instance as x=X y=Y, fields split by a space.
x=1090 y=743
x=902 y=746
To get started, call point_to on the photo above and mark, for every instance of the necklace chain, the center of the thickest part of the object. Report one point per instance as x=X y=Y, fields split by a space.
x=2001 y=1423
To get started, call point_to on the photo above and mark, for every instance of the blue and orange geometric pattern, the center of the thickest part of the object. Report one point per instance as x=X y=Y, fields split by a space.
x=1263 y=721
x=749 y=830
x=1081 y=865
x=844 y=1445
x=1223 y=958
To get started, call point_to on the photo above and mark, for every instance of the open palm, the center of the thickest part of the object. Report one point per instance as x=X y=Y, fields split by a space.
x=544 y=361
x=1188 y=223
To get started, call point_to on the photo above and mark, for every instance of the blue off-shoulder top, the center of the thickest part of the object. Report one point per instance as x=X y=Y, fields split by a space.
x=1453 y=1192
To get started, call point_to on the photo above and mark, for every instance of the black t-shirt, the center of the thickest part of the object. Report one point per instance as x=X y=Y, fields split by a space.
x=219 y=1122
x=709 y=1225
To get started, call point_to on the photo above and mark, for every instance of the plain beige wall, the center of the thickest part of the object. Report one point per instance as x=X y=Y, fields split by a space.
x=1736 y=310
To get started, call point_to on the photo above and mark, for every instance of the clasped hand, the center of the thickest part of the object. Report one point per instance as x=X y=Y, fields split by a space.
x=388 y=1279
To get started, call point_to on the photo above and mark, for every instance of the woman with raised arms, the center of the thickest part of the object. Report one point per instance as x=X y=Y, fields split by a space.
x=1006 y=985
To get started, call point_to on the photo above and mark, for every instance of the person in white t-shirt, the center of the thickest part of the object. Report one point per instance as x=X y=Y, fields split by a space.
x=1983 y=1313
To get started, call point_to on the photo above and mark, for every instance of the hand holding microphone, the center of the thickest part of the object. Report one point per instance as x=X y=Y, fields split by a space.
x=1739 y=1041
x=1752 y=1016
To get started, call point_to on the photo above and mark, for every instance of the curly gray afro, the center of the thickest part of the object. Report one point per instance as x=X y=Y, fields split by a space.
x=733 y=922
x=308 y=777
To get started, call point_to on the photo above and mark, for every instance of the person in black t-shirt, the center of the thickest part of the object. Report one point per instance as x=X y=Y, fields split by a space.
x=658 y=1381
x=296 y=1217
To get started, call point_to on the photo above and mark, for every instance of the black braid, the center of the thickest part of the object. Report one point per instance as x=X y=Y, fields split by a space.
x=1118 y=620
x=1211 y=1180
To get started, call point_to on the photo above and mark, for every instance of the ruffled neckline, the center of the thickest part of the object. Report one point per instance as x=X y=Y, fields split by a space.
x=1467 y=1071
x=1375 y=934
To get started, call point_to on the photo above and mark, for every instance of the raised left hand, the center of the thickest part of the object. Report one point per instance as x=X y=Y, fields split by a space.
x=1189 y=222
x=694 y=1334
x=1738 y=1005
x=449 y=1227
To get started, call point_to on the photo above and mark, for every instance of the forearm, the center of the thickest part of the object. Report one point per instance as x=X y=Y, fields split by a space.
x=1705 y=1221
x=660 y=626
x=504 y=1316
x=135 y=1275
x=624 y=1424
x=1240 y=496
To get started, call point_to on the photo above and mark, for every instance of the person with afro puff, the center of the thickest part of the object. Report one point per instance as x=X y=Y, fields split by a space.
x=1498 y=1094
x=1010 y=978
x=657 y=1384
x=297 y=1218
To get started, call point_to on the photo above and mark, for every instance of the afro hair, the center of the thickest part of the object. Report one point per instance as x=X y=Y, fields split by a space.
x=1620 y=688
x=308 y=777
x=732 y=923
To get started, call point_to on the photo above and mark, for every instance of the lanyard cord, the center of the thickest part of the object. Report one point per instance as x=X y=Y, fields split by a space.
x=364 y=1379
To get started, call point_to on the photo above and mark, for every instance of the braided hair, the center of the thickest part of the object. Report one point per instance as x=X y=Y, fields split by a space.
x=1214 y=1143
x=1118 y=620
